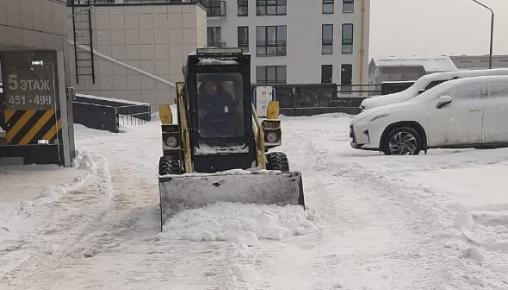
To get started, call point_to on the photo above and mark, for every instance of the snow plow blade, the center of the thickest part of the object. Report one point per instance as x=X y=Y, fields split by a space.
x=180 y=192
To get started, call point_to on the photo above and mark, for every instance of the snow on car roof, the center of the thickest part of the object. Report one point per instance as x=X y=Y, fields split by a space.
x=432 y=64
x=464 y=81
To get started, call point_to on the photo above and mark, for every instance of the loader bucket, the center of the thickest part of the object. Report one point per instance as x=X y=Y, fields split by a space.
x=180 y=192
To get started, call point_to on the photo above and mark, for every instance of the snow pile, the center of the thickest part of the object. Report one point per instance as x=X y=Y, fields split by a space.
x=239 y=223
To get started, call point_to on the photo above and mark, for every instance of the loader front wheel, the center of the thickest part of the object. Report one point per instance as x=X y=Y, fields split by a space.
x=277 y=161
x=169 y=165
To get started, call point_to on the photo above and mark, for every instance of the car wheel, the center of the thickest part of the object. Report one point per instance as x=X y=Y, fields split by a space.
x=402 y=141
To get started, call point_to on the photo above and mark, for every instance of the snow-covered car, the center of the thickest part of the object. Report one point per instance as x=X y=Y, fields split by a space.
x=469 y=112
x=425 y=83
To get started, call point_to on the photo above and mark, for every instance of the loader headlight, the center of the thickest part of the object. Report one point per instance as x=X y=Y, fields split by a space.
x=272 y=137
x=172 y=141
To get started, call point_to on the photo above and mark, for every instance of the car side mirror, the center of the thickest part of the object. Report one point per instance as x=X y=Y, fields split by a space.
x=421 y=91
x=443 y=101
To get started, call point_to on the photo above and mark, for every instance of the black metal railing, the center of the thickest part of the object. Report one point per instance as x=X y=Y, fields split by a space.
x=110 y=114
x=218 y=44
x=81 y=3
x=134 y=115
x=348 y=89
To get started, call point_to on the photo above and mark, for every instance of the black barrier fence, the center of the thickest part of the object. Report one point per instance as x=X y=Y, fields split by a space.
x=96 y=116
x=305 y=96
x=319 y=110
x=358 y=89
x=134 y=115
x=110 y=114
x=314 y=99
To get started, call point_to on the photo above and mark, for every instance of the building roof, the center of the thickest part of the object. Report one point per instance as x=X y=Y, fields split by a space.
x=433 y=64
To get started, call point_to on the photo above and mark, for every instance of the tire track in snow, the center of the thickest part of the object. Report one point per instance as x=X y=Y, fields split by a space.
x=353 y=201
x=124 y=249
x=73 y=213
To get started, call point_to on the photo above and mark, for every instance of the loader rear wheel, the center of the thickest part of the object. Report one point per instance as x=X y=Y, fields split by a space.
x=169 y=165
x=277 y=161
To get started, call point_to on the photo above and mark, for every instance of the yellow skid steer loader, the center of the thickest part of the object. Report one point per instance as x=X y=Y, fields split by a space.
x=217 y=149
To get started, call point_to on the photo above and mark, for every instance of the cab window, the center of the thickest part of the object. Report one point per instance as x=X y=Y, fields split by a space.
x=220 y=105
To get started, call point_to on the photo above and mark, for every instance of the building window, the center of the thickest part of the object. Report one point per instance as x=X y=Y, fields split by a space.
x=347 y=38
x=243 y=37
x=327 y=39
x=348 y=6
x=214 y=37
x=271 y=7
x=243 y=7
x=328 y=6
x=346 y=78
x=214 y=8
x=271 y=75
x=326 y=74
x=271 y=40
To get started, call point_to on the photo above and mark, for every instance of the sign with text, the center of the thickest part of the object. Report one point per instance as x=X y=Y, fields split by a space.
x=264 y=94
x=29 y=80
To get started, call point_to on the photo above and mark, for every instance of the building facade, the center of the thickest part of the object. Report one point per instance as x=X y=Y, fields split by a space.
x=137 y=44
x=32 y=24
x=296 y=42
x=480 y=61
x=397 y=69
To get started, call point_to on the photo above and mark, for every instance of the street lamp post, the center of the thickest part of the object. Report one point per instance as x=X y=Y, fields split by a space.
x=491 y=30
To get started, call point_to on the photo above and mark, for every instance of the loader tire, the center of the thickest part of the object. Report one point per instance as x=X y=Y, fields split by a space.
x=277 y=161
x=169 y=165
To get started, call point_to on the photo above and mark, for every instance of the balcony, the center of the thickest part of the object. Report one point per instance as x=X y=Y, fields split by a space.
x=217 y=44
x=215 y=8
x=84 y=3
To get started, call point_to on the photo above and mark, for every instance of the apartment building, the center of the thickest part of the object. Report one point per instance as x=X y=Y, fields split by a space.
x=295 y=42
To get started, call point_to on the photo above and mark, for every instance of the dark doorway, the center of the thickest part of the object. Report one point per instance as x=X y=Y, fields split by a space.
x=346 y=77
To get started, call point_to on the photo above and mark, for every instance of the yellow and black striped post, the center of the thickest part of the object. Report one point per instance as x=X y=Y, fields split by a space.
x=30 y=126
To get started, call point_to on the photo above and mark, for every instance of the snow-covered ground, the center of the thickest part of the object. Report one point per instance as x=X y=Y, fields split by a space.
x=436 y=221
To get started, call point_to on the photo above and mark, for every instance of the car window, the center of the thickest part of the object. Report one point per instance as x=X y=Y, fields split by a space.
x=433 y=84
x=498 y=89
x=465 y=92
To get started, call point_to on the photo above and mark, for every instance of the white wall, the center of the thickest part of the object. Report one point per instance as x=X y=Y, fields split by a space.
x=32 y=24
x=304 y=21
x=154 y=38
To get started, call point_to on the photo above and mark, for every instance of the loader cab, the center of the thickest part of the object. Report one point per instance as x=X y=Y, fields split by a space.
x=220 y=110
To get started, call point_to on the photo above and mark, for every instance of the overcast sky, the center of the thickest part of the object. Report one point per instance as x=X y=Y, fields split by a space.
x=436 y=27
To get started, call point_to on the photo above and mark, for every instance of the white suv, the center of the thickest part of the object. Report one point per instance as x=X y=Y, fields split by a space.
x=425 y=83
x=469 y=112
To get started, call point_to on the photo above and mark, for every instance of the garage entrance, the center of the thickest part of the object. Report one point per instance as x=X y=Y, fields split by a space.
x=36 y=121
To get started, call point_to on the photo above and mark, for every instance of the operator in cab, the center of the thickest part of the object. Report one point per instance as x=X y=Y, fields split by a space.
x=218 y=111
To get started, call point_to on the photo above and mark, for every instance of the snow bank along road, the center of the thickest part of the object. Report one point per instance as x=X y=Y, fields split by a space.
x=437 y=221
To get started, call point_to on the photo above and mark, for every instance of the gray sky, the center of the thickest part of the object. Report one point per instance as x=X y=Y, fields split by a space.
x=436 y=27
